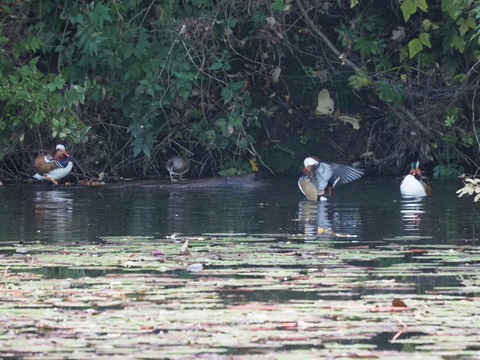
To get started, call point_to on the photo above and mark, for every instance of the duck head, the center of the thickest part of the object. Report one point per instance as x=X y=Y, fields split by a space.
x=415 y=171
x=308 y=163
x=60 y=152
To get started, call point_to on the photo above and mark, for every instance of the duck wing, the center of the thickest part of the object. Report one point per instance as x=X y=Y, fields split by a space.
x=325 y=174
x=44 y=164
x=320 y=174
x=343 y=174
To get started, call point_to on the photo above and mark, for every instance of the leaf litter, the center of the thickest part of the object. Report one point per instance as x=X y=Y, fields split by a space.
x=238 y=296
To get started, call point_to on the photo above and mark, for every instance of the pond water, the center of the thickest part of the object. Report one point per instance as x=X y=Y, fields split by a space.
x=288 y=275
x=369 y=211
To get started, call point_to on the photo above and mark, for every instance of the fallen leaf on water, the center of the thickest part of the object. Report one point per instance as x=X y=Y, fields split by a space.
x=90 y=183
x=257 y=306
x=346 y=235
x=195 y=267
x=157 y=253
x=289 y=338
x=184 y=249
x=388 y=308
x=398 y=303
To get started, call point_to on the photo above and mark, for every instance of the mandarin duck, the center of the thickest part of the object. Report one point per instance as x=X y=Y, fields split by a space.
x=177 y=166
x=320 y=177
x=54 y=166
x=412 y=184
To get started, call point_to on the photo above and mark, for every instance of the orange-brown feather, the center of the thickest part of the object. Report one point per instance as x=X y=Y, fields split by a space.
x=42 y=166
x=308 y=189
x=59 y=155
x=428 y=189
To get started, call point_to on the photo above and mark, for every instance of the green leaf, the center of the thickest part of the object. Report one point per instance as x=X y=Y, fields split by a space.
x=146 y=149
x=427 y=25
x=141 y=46
x=215 y=66
x=449 y=138
x=414 y=47
x=408 y=8
x=450 y=120
x=458 y=43
x=422 y=4
x=278 y=5
x=471 y=23
x=388 y=92
x=127 y=50
x=359 y=80
x=425 y=39
x=227 y=95
x=450 y=8
x=466 y=24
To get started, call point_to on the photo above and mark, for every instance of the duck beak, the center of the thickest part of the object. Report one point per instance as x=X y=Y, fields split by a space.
x=66 y=153
x=306 y=170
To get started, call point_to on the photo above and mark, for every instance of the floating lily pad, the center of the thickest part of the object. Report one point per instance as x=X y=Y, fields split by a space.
x=254 y=296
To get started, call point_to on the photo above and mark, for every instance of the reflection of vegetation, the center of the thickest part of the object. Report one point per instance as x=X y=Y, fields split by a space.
x=65 y=272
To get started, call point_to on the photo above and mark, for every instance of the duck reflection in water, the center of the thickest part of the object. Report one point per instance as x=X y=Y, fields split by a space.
x=313 y=217
x=176 y=211
x=54 y=213
x=326 y=220
x=412 y=210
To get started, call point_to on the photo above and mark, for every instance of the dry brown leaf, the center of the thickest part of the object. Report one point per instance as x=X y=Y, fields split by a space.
x=398 y=303
x=184 y=249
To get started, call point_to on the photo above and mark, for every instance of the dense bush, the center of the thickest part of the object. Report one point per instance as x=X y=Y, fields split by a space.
x=128 y=83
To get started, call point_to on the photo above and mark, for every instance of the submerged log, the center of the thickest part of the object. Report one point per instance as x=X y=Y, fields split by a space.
x=237 y=181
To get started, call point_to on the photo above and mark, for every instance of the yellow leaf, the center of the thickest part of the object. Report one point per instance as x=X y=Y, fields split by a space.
x=325 y=105
x=254 y=165
x=350 y=120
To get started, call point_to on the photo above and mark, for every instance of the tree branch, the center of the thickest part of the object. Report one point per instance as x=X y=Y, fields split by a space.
x=324 y=38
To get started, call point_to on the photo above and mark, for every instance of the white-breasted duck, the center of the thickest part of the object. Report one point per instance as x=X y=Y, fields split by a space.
x=53 y=166
x=320 y=178
x=413 y=184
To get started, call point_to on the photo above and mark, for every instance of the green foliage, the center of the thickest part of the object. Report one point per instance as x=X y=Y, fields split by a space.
x=282 y=159
x=369 y=46
x=217 y=80
x=235 y=167
x=278 y=5
x=389 y=92
x=450 y=120
x=475 y=14
x=410 y=7
x=416 y=45
x=360 y=80
x=32 y=101
x=230 y=91
x=446 y=172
